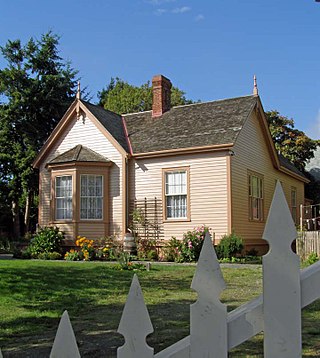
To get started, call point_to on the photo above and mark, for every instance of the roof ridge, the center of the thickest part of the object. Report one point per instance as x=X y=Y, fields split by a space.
x=194 y=104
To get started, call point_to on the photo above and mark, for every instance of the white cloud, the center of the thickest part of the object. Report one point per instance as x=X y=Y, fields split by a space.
x=313 y=131
x=159 y=12
x=181 y=10
x=199 y=17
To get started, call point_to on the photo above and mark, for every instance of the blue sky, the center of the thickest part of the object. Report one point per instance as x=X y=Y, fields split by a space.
x=209 y=49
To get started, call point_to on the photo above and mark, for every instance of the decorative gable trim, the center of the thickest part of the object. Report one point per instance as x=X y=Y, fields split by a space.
x=74 y=110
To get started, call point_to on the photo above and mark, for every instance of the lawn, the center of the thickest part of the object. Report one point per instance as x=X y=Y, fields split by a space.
x=33 y=295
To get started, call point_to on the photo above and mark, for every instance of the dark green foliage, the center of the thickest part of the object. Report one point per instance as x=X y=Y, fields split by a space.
x=292 y=143
x=229 y=246
x=121 y=97
x=36 y=88
x=46 y=240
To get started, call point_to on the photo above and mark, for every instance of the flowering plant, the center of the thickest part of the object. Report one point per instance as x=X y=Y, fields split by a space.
x=85 y=252
x=188 y=249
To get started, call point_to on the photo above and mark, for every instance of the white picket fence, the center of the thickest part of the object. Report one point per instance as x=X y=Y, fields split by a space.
x=213 y=331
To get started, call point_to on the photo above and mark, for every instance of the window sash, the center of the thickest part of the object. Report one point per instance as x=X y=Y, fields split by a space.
x=176 y=194
x=91 y=197
x=63 y=197
x=294 y=204
x=255 y=198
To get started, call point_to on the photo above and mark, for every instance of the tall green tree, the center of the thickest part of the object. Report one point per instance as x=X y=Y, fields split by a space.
x=121 y=97
x=292 y=143
x=36 y=87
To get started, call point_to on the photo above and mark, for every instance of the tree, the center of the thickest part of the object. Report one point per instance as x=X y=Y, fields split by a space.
x=121 y=97
x=36 y=88
x=292 y=143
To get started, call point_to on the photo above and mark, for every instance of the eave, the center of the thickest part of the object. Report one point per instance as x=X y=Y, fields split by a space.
x=190 y=150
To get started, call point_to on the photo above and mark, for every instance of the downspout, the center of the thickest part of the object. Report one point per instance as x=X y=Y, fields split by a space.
x=127 y=170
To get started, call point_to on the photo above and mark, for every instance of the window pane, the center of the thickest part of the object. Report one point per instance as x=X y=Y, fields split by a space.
x=63 y=197
x=91 y=203
x=255 y=197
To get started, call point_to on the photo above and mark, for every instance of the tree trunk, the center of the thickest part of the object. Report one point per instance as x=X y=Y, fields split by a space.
x=27 y=212
x=16 y=220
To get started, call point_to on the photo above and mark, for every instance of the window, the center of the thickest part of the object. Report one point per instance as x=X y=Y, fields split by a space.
x=176 y=194
x=294 y=204
x=63 y=197
x=255 y=197
x=91 y=197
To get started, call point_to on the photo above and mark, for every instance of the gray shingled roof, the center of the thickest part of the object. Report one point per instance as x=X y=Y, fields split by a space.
x=200 y=124
x=284 y=162
x=79 y=153
x=111 y=121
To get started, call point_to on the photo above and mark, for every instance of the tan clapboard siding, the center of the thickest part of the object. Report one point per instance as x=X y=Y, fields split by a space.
x=251 y=153
x=44 y=200
x=67 y=230
x=208 y=189
x=90 y=136
x=91 y=230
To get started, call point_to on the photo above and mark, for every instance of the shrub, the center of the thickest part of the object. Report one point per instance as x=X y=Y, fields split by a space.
x=147 y=249
x=312 y=258
x=6 y=245
x=188 y=249
x=50 y=256
x=47 y=239
x=229 y=246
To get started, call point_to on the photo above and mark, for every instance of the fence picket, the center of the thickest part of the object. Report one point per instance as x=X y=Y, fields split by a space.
x=281 y=283
x=1 y=356
x=208 y=316
x=65 y=344
x=135 y=325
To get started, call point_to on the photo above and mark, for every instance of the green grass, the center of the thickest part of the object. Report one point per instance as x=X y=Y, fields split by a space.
x=33 y=295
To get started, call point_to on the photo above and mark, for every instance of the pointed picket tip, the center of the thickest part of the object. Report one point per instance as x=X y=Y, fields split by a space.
x=280 y=229
x=208 y=278
x=135 y=313
x=1 y=356
x=65 y=344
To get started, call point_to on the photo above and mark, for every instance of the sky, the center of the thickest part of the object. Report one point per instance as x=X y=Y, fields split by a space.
x=209 y=49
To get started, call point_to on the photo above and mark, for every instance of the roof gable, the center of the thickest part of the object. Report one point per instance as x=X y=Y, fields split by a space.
x=109 y=123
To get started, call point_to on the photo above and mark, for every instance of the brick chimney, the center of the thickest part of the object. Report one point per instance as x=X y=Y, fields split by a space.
x=161 y=89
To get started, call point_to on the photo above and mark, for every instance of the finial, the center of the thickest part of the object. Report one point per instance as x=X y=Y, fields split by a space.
x=255 y=87
x=78 y=96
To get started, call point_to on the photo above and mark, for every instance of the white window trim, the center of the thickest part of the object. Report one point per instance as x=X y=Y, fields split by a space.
x=187 y=193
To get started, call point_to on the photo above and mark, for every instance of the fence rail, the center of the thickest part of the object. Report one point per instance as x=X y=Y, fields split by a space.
x=213 y=332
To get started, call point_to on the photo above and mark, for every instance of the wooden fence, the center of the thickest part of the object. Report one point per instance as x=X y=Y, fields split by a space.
x=213 y=331
x=308 y=242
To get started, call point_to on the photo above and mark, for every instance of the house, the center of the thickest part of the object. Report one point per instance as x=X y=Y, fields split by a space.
x=210 y=163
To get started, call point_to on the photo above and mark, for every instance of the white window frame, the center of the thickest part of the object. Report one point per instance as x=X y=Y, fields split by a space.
x=66 y=200
x=176 y=191
x=93 y=198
